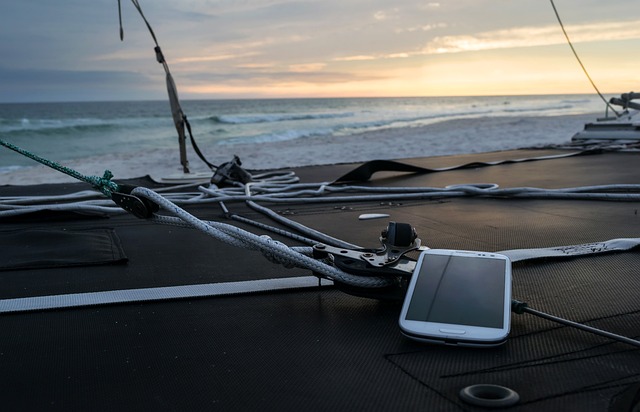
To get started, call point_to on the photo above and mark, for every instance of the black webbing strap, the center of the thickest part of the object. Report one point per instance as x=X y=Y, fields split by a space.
x=195 y=145
x=364 y=172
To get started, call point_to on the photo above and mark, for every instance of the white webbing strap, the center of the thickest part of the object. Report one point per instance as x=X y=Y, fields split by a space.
x=159 y=293
x=613 y=245
x=235 y=288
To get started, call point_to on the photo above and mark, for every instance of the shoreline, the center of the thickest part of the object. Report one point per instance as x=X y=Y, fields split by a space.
x=448 y=137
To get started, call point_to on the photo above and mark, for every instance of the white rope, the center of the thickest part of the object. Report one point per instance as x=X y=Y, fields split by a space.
x=321 y=193
x=241 y=238
x=279 y=187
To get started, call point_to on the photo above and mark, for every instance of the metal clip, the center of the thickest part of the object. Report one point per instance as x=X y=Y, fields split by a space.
x=397 y=240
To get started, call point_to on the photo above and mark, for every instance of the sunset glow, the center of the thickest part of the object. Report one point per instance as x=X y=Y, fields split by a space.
x=298 y=48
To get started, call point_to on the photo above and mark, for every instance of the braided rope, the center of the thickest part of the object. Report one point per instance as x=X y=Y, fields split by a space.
x=274 y=250
x=103 y=184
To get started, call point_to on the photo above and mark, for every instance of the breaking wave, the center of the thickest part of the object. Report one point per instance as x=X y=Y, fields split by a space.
x=275 y=117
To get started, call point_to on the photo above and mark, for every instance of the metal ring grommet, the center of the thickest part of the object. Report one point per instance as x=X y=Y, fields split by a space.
x=489 y=396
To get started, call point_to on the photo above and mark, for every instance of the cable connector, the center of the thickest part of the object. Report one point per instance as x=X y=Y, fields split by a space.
x=521 y=307
x=518 y=307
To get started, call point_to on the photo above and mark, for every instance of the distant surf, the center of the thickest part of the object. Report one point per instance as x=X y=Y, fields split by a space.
x=276 y=117
x=67 y=131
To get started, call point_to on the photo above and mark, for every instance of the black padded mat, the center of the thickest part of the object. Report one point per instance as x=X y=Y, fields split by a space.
x=551 y=367
x=53 y=248
x=324 y=349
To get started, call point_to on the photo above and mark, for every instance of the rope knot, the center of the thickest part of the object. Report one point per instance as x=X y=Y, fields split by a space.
x=104 y=183
x=107 y=175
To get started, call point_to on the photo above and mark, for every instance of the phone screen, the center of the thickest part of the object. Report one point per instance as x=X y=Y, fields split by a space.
x=460 y=290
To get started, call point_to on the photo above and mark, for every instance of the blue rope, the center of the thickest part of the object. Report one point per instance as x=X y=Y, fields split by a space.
x=103 y=184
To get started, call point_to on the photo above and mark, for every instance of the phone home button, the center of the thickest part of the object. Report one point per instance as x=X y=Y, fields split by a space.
x=453 y=331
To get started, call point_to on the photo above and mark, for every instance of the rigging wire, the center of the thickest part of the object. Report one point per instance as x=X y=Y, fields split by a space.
x=179 y=117
x=575 y=53
x=120 y=20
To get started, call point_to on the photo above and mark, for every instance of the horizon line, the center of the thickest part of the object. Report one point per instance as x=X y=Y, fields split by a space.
x=230 y=98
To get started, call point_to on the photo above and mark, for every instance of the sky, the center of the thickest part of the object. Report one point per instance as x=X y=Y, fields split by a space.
x=70 y=50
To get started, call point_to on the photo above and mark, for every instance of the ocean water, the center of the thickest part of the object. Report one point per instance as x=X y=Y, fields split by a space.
x=62 y=131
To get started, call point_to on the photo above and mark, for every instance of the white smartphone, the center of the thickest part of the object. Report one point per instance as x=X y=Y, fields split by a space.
x=458 y=297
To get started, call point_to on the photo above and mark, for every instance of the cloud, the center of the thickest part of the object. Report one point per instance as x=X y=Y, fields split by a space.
x=425 y=27
x=361 y=57
x=399 y=55
x=261 y=78
x=266 y=43
x=306 y=68
x=43 y=84
x=213 y=58
x=382 y=15
x=515 y=37
x=533 y=36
